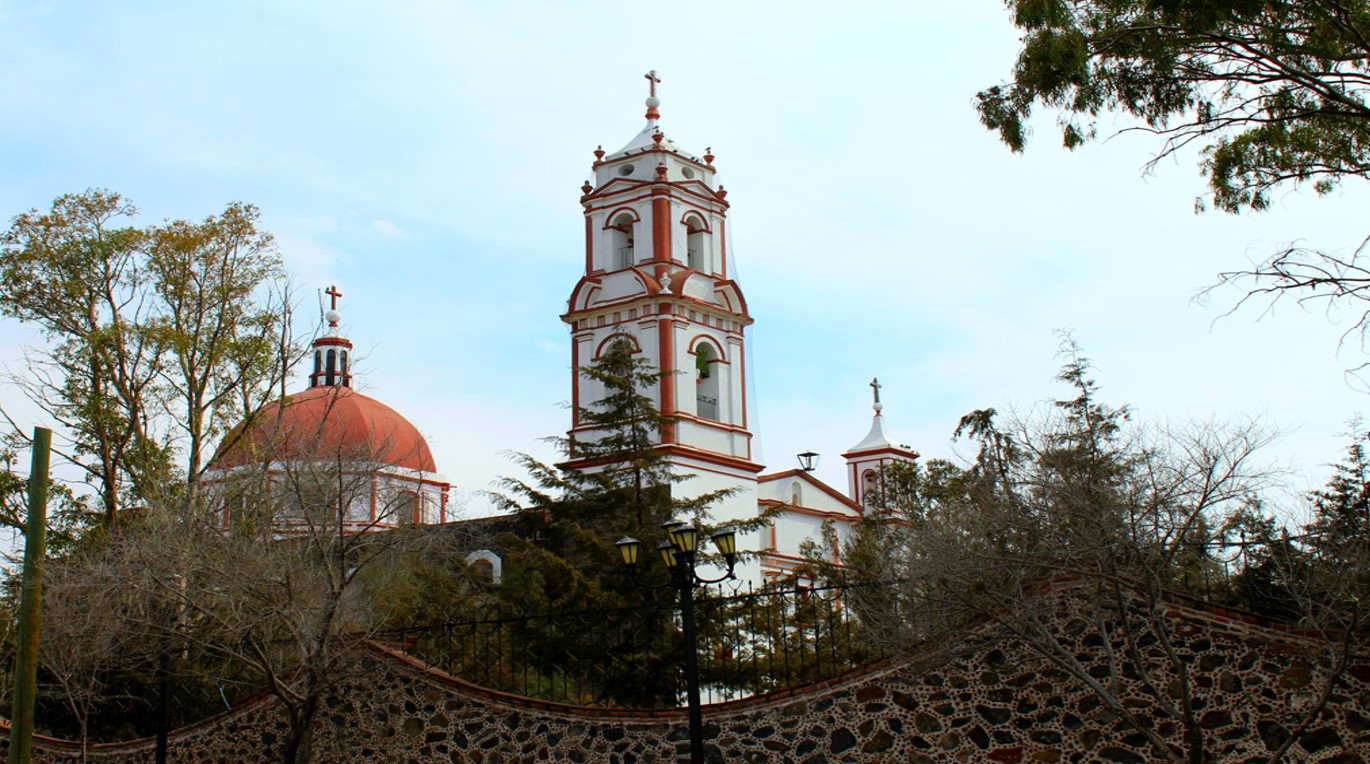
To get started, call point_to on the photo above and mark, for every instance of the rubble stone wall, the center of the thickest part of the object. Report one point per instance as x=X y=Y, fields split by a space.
x=983 y=697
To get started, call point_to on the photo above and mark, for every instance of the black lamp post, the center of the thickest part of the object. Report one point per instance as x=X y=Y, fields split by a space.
x=808 y=461
x=678 y=554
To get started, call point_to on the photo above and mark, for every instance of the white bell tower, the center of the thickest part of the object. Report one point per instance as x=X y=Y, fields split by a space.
x=867 y=460
x=657 y=275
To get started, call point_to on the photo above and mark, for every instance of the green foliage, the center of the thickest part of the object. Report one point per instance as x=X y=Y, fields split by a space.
x=1274 y=91
x=157 y=338
x=563 y=558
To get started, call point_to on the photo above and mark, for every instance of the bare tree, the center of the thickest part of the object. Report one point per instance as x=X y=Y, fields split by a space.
x=1129 y=516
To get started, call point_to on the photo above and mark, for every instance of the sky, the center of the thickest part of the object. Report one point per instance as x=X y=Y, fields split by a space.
x=426 y=157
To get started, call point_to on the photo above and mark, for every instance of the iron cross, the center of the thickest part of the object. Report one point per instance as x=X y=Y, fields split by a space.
x=875 y=385
x=653 y=79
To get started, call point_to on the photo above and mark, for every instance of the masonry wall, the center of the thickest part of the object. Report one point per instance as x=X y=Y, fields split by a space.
x=978 y=698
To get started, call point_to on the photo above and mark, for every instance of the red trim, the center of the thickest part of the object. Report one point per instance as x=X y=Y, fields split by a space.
x=661 y=226
x=799 y=509
x=666 y=350
x=604 y=345
x=723 y=248
x=871 y=452
x=694 y=345
x=589 y=245
x=684 y=220
x=742 y=364
x=575 y=382
x=813 y=481
x=609 y=218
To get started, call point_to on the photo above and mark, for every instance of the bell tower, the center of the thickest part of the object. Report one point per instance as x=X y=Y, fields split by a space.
x=657 y=275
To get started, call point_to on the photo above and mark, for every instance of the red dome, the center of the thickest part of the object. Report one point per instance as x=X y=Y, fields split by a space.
x=327 y=422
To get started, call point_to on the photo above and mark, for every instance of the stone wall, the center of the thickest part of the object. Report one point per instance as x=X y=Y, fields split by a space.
x=982 y=697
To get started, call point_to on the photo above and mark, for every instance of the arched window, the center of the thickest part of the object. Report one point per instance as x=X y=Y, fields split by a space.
x=706 y=381
x=318 y=364
x=694 y=243
x=486 y=566
x=869 y=491
x=621 y=242
x=330 y=366
x=342 y=367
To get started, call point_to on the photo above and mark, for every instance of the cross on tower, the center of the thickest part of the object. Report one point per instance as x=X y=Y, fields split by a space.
x=653 y=80
x=875 y=386
x=334 y=294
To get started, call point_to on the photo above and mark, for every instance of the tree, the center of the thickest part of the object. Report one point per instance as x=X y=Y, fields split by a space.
x=1130 y=516
x=283 y=599
x=564 y=556
x=157 y=338
x=1273 y=92
x=224 y=309
x=75 y=273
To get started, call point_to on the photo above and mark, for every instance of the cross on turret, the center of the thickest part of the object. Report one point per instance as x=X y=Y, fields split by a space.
x=653 y=80
x=875 y=388
x=334 y=294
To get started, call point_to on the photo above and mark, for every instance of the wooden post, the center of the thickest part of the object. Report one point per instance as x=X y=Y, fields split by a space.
x=30 y=601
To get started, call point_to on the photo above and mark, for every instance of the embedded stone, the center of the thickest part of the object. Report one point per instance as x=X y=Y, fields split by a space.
x=1215 y=719
x=880 y=742
x=994 y=715
x=1120 y=756
x=1319 y=739
x=842 y=740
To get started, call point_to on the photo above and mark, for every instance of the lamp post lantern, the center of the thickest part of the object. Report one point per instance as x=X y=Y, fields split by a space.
x=678 y=554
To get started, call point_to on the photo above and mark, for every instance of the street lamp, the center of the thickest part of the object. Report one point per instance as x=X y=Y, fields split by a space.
x=678 y=554
x=808 y=461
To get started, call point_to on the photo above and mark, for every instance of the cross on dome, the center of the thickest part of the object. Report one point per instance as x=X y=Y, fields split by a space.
x=332 y=316
x=652 y=100
x=332 y=291
x=331 y=349
x=875 y=390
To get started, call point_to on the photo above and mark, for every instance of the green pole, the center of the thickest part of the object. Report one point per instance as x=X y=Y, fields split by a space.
x=30 y=599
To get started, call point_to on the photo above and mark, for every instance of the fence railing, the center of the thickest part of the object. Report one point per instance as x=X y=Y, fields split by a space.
x=750 y=642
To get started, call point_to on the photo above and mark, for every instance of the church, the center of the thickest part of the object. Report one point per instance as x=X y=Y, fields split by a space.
x=657 y=275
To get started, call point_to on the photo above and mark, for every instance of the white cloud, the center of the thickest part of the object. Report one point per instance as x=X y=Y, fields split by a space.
x=389 y=229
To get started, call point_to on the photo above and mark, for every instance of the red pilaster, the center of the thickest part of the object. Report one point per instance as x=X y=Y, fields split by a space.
x=665 y=327
x=661 y=225
x=589 y=246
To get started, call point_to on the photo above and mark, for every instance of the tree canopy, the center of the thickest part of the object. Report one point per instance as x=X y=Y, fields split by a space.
x=1272 y=91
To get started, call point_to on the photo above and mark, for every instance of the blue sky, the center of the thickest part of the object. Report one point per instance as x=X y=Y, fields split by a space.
x=427 y=158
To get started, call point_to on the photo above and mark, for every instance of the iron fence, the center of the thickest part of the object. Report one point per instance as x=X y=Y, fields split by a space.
x=751 y=641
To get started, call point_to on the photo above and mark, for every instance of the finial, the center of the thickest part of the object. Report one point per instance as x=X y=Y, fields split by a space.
x=599 y=153
x=332 y=316
x=709 y=156
x=658 y=137
x=652 y=100
x=875 y=389
x=722 y=193
x=661 y=171
x=587 y=188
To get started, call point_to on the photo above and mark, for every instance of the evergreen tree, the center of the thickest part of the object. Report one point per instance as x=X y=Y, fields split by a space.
x=618 y=483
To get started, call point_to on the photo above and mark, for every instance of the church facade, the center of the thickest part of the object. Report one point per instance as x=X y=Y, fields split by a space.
x=657 y=276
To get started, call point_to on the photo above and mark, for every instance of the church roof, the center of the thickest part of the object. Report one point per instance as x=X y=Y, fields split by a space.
x=327 y=422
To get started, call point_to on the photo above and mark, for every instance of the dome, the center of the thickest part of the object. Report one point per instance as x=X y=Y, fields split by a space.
x=326 y=422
